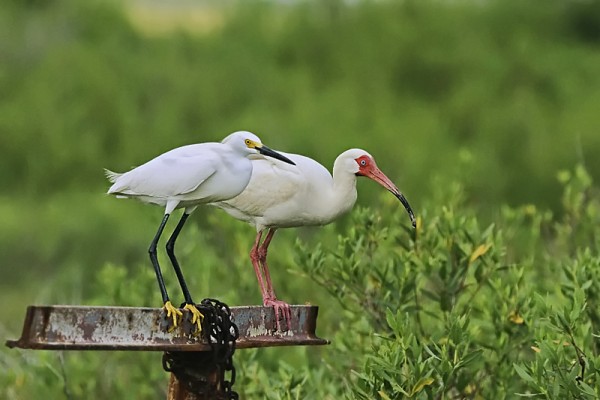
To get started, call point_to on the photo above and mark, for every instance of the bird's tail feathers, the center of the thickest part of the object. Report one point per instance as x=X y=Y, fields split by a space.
x=112 y=176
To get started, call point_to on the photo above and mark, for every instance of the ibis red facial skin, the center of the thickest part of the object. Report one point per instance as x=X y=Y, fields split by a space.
x=280 y=195
x=368 y=168
x=184 y=178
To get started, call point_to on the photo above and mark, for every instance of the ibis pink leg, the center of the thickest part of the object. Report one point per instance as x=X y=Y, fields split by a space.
x=256 y=264
x=271 y=299
x=262 y=258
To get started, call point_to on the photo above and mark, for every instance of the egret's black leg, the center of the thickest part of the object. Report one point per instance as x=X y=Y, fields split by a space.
x=171 y=312
x=196 y=316
x=171 y=253
x=154 y=259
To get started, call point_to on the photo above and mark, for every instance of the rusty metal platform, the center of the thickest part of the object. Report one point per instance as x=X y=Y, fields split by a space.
x=133 y=328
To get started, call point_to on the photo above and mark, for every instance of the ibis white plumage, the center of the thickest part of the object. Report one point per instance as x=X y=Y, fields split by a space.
x=184 y=178
x=283 y=196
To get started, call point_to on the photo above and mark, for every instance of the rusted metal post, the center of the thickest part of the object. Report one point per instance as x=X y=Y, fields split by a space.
x=195 y=373
x=200 y=379
x=138 y=328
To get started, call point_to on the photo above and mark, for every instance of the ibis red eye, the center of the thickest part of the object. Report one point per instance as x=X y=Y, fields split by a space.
x=362 y=161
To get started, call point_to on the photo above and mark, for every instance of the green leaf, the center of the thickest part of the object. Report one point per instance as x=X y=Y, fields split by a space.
x=421 y=384
x=383 y=395
x=587 y=389
x=471 y=357
x=522 y=373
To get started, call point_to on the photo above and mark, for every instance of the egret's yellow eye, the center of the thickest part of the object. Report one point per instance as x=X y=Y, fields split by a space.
x=249 y=143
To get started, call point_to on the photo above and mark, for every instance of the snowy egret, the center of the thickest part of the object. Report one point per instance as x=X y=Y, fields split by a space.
x=281 y=196
x=184 y=178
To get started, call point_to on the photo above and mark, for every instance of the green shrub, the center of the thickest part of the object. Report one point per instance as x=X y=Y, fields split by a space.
x=470 y=107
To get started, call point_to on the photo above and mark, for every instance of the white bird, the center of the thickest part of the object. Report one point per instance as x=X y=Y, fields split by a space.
x=184 y=178
x=281 y=196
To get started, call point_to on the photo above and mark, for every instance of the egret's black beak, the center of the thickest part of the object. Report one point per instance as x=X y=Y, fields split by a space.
x=265 y=151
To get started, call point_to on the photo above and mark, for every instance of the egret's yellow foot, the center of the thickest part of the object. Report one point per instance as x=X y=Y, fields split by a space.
x=197 y=317
x=174 y=313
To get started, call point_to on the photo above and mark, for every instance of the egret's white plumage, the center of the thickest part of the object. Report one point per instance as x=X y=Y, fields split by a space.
x=283 y=196
x=184 y=178
x=190 y=175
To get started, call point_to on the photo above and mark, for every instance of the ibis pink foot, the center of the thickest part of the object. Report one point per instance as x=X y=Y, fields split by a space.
x=280 y=307
x=259 y=253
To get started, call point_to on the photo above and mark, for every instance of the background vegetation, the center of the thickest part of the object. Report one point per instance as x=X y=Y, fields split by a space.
x=484 y=113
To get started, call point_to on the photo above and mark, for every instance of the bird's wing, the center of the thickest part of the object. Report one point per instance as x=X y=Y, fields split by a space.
x=272 y=184
x=170 y=174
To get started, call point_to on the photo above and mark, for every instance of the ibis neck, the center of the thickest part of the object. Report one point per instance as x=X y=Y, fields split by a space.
x=342 y=195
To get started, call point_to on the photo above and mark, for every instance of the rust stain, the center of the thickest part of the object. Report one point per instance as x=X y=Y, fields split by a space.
x=130 y=328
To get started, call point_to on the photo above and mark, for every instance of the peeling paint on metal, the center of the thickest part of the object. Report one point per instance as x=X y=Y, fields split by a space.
x=130 y=328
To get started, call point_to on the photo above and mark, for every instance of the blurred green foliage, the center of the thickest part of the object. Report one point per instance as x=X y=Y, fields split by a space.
x=471 y=107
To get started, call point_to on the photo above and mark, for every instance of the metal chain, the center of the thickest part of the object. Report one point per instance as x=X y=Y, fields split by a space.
x=221 y=334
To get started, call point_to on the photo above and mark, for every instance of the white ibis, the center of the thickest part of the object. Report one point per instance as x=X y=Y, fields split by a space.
x=184 y=178
x=284 y=196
